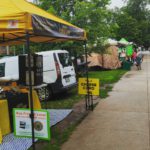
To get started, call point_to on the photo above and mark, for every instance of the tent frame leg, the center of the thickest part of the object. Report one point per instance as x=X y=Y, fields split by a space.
x=30 y=88
x=88 y=97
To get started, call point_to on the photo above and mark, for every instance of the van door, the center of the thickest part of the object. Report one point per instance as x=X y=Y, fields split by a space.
x=9 y=69
x=49 y=69
x=67 y=69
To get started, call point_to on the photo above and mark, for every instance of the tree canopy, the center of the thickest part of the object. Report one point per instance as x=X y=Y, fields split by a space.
x=131 y=22
x=134 y=22
x=92 y=15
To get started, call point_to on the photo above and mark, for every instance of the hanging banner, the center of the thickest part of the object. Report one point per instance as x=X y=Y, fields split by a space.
x=23 y=127
x=94 y=86
x=48 y=27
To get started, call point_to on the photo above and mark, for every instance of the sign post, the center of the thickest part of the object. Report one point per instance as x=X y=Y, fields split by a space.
x=93 y=86
x=30 y=88
x=89 y=89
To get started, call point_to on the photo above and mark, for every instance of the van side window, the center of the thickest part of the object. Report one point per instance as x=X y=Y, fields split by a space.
x=2 y=69
x=65 y=59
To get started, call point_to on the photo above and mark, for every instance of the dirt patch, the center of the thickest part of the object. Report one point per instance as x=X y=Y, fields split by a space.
x=78 y=112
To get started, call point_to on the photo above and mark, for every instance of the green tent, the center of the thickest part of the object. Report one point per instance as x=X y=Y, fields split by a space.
x=129 y=50
x=128 y=46
x=123 y=41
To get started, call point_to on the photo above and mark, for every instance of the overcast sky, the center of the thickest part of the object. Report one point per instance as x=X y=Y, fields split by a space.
x=116 y=3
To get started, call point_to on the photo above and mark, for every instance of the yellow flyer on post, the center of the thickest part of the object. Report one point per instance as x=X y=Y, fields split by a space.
x=94 y=86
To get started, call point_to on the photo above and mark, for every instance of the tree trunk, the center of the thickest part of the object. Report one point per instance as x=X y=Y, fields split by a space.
x=102 y=60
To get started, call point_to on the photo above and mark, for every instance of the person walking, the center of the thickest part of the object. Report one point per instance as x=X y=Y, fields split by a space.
x=123 y=56
x=139 y=60
x=134 y=55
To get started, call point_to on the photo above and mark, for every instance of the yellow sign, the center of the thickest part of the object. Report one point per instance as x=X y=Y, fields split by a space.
x=94 y=86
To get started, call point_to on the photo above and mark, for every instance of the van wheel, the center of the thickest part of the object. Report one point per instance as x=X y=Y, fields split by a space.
x=44 y=93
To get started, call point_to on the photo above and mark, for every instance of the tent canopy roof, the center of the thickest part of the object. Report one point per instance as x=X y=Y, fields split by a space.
x=15 y=7
x=19 y=16
x=111 y=42
x=123 y=41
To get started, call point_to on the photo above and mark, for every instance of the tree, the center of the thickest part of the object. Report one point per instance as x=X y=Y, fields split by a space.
x=137 y=8
x=134 y=22
x=94 y=17
x=91 y=15
x=58 y=7
x=128 y=27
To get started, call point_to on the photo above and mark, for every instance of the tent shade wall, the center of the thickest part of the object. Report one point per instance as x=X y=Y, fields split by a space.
x=111 y=42
x=19 y=16
x=109 y=60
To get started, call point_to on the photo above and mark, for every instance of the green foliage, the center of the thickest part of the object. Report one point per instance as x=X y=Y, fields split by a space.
x=128 y=27
x=134 y=22
x=107 y=78
x=131 y=22
x=137 y=9
x=104 y=92
x=93 y=16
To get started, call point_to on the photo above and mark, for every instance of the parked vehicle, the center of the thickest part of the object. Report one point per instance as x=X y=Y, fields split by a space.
x=9 y=70
x=58 y=72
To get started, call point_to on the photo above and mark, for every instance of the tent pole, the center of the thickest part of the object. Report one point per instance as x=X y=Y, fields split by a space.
x=87 y=100
x=3 y=37
x=30 y=87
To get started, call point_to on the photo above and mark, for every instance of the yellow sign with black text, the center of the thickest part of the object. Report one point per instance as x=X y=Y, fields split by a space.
x=94 y=86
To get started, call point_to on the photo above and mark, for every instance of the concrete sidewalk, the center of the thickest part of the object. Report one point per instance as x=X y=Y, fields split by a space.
x=121 y=121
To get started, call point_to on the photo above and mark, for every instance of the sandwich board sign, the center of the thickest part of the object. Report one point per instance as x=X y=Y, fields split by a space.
x=94 y=86
x=23 y=127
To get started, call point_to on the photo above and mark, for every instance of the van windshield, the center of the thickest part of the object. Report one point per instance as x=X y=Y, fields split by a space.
x=2 y=69
x=65 y=59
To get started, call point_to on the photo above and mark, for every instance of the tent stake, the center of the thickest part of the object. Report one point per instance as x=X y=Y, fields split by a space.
x=30 y=88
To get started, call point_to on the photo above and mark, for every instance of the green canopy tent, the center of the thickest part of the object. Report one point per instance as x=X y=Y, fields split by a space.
x=129 y=50
x=123 y=42
x=127 y=46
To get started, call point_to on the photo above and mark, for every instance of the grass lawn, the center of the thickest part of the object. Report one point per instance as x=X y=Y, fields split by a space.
x=58 y=138
x=67 y=100
x=63 y=100
x=107 y=78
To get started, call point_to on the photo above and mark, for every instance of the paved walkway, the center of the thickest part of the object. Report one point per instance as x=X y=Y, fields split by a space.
x=121 y=121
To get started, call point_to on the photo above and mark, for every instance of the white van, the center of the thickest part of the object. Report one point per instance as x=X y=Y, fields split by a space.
x=9 y=70
x=58 y=72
